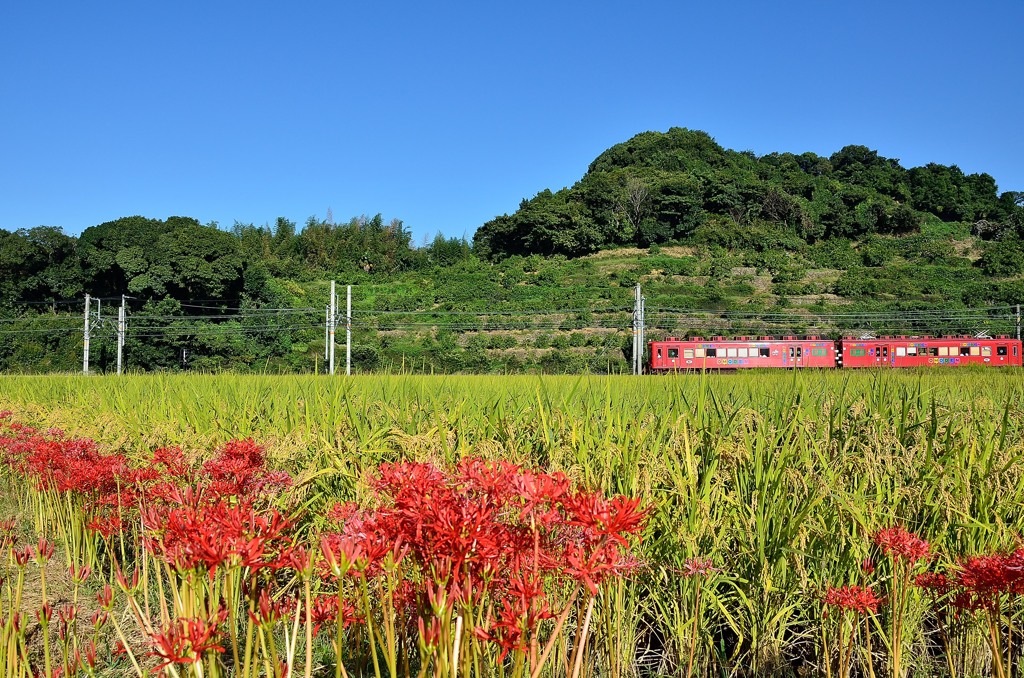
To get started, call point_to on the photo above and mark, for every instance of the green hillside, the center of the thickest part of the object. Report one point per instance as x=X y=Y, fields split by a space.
x=723 y=242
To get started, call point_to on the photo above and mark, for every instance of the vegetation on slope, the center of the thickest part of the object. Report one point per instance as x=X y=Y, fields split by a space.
x=545 y=289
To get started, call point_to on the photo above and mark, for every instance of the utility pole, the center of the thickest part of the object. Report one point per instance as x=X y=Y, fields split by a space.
x=348 y=332
x=122 y=330
x=1018 y=322
x=85 y=348
x=327 y=332
x=638 y=331
x=331 y=324
x=120 y=335
x=643 y=330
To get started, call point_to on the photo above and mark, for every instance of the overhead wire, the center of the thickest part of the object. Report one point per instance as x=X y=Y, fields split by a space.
x=255 y=320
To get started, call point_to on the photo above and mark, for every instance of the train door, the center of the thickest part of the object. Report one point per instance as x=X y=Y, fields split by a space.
x=886 y=354
x=796 y=355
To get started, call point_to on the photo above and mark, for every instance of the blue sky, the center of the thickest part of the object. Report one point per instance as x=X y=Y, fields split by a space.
x=444 y=115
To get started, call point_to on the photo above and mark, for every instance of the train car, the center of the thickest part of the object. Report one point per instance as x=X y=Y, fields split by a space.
x=929 y=351
x=720 y=353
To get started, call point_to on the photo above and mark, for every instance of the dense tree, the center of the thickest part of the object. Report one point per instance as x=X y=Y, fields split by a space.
x=38 y=265
x=550 y=223
x=862 y=166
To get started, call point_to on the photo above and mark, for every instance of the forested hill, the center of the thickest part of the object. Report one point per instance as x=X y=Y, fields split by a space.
x=682 y=187
x=723 y=242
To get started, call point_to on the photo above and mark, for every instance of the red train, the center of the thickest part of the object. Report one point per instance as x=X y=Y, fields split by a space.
x=738 y=353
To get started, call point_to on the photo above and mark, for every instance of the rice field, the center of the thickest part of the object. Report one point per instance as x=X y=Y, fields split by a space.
x=783 y=522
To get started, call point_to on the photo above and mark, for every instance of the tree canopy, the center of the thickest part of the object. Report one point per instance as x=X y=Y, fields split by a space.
x=664 y=188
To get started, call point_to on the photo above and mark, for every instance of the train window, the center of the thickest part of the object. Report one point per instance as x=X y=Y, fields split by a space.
x=1000 y=350
x=820 y=352
x=743 y=352
x=856 y=352
x=965 y=350
x=986 y=351
x=730 y=353
x=659 y=353
x=1014 y=350
x=792 y=352
x=712 y=352
x=698 y=353
x=687 y=352
x=911 y=350
x=934 y=350
x=673 y=353
x=764 y=352
x=901 y=351
x=943 y=350
x=975 y=350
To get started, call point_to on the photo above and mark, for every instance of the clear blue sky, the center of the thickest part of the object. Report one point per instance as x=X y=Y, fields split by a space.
x=447 y=114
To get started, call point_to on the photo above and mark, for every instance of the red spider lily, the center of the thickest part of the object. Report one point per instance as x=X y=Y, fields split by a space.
x=198 y=532
x=591 y=567
x=44 y=614
x=15 y=622
x=341 y=512
x=44 y=551
x=105 y=525
x=239 y=470
x=899 y=543
x=67 y=613
x=697 y=567
x=88 y=656
x=293 y=556
x=506 y=631
x=185 y=641
x=269 y=612
x=613 y=518
x=342 y=553
x=106 y=598
x=21 y=557
x=324 y=609
x=489 y=477
x=935 y=582
x=984 y=579
x=539 y=488
x=99 y=619
x=129 y=588
x=867 y=566
x=430 y=631
x=173 y=461
x=79 y=574
x=856 y=598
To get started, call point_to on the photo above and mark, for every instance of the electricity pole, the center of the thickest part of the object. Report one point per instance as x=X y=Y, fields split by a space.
x=122 y=330
x=120 y=335
x=327 y=333
x=331 y=325
x=348 y=332
x=85 y=348
x=638 y=331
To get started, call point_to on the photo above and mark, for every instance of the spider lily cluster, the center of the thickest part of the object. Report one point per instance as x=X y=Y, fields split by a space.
x=977 y=591
x=209 y=569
